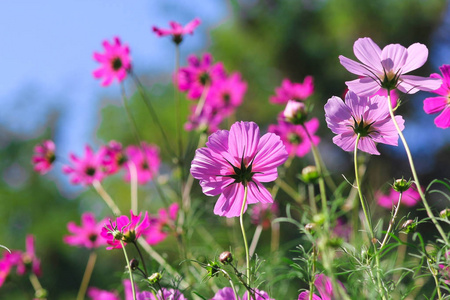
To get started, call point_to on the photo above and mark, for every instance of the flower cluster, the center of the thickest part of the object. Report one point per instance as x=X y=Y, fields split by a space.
x=177 y=31
x=125 y=230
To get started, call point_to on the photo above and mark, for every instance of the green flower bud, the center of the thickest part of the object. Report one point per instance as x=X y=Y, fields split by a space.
x=154 y=278
x=409 y=226
x=401 y=185
x=309 y=174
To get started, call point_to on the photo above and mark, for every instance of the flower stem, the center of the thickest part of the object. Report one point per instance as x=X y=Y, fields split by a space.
x=414 y=173
x=391 y=222
x=87 y=275
x=142 y=258
x=231 y=283
x=247 y=256
x=134 y=186
x=36 y=284
x=177 y=102
x=129 y=270
x=255 y=239
x=109 y=201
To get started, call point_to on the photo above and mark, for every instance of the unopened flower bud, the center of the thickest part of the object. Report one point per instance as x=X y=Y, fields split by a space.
x=154 y=278
x=401 y=185
x=309 y=174
x=445 y=213
x=409 y=226
x=310 y=227
x=295 y=112
x=225 y=257
x=134 y=263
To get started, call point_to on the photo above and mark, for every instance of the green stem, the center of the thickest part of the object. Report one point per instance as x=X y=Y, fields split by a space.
x=391 y=222
x=134 y=127
x=414 y=173
x=134 y=186
x=106 y=197
x=87 y=276
x=231 y=283
x=436 y=280
x=129 y=270
x=142 y=259
x=247 y=256
x=177 y=103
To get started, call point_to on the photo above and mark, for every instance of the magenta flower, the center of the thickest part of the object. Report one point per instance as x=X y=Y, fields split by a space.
x=368 y=117
x=410 y=197
x=145 y=159
x=29 y=257
x=234 y=159
x=113 y=157
x=386 y=69
x=433 y=105
x=87 y=169
x=115 y=62
x=5 y=269
x=228 y=294
x=125 y=230
x=177 y=31
x=163 y=294
x=44 y=157
x=160 y=225
x=263 y=214
x=293 y=91
x=323 y=286
x=23 y=261
x=87 y=235
x=198 y=75
x=208 y=120
x=295 y=138
x=227 y=94
x=97 y=294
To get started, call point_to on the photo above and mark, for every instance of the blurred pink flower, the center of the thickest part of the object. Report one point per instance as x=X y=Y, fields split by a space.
x=264 y=213
x=160 y=225
x=295 y=138
x=294 y=112
x=115 y=62
x=227 y=94
x=236 y=159
x=146 y=160
x=441 y=104
x=293 y=91
x=113 y=157
x=367 y=116
x=323 y=286
x=88 y=234
x=409 y=198
x=87 y=169
x=385 y=69
x=124 y=229
x=177 y=31
x=208 y=120
x=44 y=156
x=228 y=294
x=97 y=294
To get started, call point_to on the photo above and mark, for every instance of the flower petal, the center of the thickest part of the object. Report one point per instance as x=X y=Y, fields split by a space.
x=368 y=53
x=417 y=56
x=443 y=120
x=434 y=105
x=411 y=84
x=366 y=86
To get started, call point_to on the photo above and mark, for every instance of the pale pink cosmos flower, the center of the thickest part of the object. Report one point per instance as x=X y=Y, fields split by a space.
x=86 y=169
x=114 y=157
x=366 y=116
x=146 y=161
x=410 y=197
x=386 y=69
x=228 y=294
x=88 y=234
x=235 y=159
x=177 y=31
x=323 y=286
x=160 y=225
x=295 y=138
x=433 y=105
x=44 y=156
x=125 y=229
x=293 y=91
x=115 y=62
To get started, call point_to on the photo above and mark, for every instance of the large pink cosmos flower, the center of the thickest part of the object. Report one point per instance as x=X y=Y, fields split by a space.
x=177 y=31
x=293 y=91
x=410 y=197
x=88 y=234
x=386 y=69
x=234 y=159
x=441 y=104
x=366 y=116
x=145 y=159
x=295 y=138
x=160 y=225
x=323 y=286
x=115 y=62
x=44 y=156
x=125 y=229
x=228 y=294
x=87 y=169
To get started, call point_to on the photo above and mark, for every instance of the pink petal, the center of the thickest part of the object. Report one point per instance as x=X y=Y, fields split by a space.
x=434 y=105
x=417 y=56
x=243 y=140
x=189 y=28
x=412 y=84
x=366 y=144
x=258 y=193
x=368 y=53
x=393 y=57
x=346 y=140
x=230 y=201
x=364 y=86
x=354 y=67
x=443 y=120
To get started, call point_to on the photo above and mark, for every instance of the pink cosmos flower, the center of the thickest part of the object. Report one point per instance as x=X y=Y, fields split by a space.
x=125 y=229
x=29 y=256
x=228 y=294
x=177 y=31
x=199 y=74
x=113 y=157
x=88 y=234
x=115 y=62
x=236 y=159
x=163 y=294
x=441 y=104
x=323 y=286
x=158 y=230
x=264 y=213
x=44 y=156
x=293 y=91
x=295 y=138
x=227 y=94
x=386 y=69
x=410 y=197
x=145 y=159
x=5 y=269
x=87 y=169
x=97 y=294
x=368 y=117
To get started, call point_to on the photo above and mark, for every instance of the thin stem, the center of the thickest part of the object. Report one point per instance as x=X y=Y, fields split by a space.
x=391 y=222
x=87 y=275
x=134 y=127
x=109 y=201
x=36 y=284
x=414 y=173
x=202 y=101
x=129 y=270
x=312 y=198
x=231 y=283
x=255 y=239
x=247 y=256
x=434 y=273
x=287 y=189
x=142 y=258
x=177 y=102
x=134 y=186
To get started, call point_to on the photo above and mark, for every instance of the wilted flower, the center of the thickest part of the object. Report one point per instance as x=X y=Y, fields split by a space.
x=368 y=117
x=115 y=62
x=235 y=159
x=386 y=69
x=441 y=104
x=177 y=31
x=87 y=169
x=44 y=156
x=293 y=91
x=146 y=161
x=88 y=234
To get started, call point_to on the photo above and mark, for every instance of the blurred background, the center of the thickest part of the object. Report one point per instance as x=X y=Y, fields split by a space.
x=47 y=91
